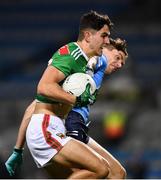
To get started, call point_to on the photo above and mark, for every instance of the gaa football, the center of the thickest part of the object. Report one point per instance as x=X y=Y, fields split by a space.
x=76 y=84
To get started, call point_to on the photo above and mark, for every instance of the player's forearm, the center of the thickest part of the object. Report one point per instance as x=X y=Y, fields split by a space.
x=55 y=92
x=49 y=86
x=21 y=139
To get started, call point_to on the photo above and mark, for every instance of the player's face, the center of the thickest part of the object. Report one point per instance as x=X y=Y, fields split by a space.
x=98 y=39
x=116 y=60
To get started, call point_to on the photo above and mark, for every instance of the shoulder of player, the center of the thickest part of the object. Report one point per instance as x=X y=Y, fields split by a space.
x=76 y=52
x=65 y=50
x=71 y=52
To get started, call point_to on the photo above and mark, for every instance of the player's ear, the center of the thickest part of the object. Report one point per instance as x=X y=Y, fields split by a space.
x=87 y=35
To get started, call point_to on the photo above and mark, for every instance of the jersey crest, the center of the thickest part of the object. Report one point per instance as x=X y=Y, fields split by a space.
x=64 y=50
x=62 y=136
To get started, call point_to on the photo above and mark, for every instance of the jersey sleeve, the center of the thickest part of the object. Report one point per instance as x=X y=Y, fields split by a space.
x=63 y=61
x=99 y=71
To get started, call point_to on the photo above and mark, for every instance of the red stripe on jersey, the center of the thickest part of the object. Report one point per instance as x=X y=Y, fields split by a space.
x=49 y=139
x=64 y=50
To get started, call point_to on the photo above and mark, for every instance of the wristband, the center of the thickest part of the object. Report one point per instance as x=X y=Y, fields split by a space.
x=78 y=101
x=18 y=150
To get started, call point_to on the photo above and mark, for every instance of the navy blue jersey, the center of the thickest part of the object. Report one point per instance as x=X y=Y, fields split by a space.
x=98 y=77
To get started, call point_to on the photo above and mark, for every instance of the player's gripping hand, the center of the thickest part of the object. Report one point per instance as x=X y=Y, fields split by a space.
x=14 y=161
x=86 y=98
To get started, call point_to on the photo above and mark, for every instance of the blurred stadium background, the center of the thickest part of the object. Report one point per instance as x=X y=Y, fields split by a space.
x=126 y=119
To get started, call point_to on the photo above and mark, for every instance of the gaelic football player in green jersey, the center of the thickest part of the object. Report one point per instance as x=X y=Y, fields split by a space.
x=115 y=52
x=45 y=135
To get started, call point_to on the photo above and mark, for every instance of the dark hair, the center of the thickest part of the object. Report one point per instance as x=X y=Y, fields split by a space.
x=93 y=20
x=119 y=44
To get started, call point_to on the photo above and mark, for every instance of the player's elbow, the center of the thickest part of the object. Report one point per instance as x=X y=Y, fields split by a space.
x=41 y=89
x=121 y=174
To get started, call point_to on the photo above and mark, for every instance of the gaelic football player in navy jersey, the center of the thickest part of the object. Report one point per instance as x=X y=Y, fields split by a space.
x=78 y=118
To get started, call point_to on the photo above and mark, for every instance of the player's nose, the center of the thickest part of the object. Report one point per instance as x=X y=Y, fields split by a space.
x=119 y=65
x=106 y=40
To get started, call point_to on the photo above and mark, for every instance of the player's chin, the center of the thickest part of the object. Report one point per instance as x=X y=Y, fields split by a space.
x=112 y=70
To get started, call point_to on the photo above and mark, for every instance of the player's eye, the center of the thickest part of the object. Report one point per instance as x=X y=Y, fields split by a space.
x=118 y=58
x=105 y=35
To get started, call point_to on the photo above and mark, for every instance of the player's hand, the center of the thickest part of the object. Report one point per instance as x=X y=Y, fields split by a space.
x=14 y=161
x=86 y=98
x=94 y=96
x=91 y=66
x=92 y=63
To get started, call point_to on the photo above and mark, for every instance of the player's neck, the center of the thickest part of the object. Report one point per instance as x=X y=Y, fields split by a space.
x=85 y=48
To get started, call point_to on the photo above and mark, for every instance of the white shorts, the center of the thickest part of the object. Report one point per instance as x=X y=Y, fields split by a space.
x=45 y=137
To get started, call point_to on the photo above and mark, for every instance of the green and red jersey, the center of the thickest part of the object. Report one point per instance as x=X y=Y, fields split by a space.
x=68 y=59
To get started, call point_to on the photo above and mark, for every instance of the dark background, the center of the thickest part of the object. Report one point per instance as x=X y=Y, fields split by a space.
x=129 y=100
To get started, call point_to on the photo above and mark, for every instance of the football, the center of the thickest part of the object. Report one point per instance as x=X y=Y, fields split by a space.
x=76 y=84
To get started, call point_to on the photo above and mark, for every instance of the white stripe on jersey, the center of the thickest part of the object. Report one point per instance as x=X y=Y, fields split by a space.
x=76 y=53
x=80 y=54
x=77 y=49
